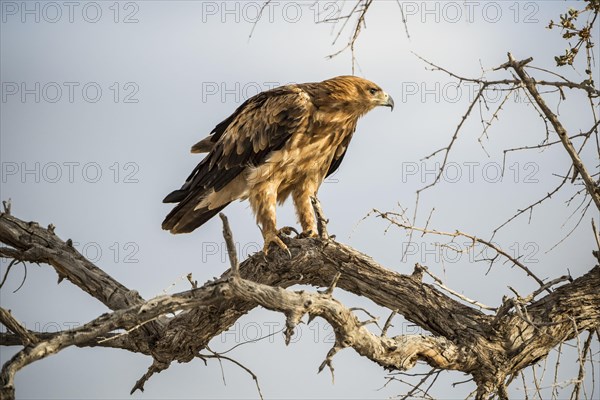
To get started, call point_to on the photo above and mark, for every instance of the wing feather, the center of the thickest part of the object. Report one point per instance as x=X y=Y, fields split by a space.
x=340 y=152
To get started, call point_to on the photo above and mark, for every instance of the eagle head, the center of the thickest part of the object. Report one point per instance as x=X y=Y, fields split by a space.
x=355 y=95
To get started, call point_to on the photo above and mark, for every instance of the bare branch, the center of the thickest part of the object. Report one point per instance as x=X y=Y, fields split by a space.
x=447 y=149
x=592 y=187
x=230 y=245
x=597 y=237
x=403 y=19
x=220 y=356
x=532 y=206
x=6 y=318
x=32 y=243
x=388 y=323
x=581 y=373
x=6 y=204
x=155 y=368
x=389 y=216
x=463 y=338
x=361 y=7
x=400 y=352
x=117 y=341
x=260 y=12
x=438 y=282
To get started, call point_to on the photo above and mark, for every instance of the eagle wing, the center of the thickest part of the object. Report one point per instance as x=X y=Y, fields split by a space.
x=340 y=152
x=261 y=125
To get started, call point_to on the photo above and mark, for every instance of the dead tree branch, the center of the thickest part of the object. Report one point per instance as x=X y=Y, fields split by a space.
x=26 y=338
x=591 y=186
x=462 y=337
x=392 y=218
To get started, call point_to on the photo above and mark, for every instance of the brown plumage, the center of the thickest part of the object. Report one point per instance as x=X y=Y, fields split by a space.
x=281 y=142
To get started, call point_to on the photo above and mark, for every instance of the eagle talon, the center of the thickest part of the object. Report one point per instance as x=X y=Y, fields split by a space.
x=287 y=231
x=273 y=238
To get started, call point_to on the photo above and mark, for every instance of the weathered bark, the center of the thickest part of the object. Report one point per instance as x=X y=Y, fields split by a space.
x=39 y=245
x=489 y=347
x=32 y=243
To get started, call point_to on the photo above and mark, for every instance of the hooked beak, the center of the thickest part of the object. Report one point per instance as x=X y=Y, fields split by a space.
x=388 y=102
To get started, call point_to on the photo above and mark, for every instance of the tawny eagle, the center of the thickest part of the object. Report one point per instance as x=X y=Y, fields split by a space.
x=284 y=141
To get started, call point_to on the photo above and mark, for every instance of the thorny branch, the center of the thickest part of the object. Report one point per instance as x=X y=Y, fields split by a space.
x=392 y=217
x=361 y=7
x=515 y=84
x=522 y=81
x=592 y=187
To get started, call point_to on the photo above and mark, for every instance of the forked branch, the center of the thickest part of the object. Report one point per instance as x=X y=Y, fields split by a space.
x=519 y=67
x=462 y=338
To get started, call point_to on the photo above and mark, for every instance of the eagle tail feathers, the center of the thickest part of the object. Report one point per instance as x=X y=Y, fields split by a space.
x=185 y=217
x=176 y=196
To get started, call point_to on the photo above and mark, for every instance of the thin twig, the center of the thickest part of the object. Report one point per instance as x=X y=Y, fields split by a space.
x=581 y=360
x=331 y=287
x=360 y=23
x=388 y=323
x=438 y=282
x=596 y=235
x=260 y=12
x=416 y=388
x=388 y=216
x=556 y=367
x=403 y=20
x=219 y=356
x=7 y=204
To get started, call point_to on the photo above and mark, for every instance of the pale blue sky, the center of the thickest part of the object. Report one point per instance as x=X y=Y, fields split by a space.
x=121 y=103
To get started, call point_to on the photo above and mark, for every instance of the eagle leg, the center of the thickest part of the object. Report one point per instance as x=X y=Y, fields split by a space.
x=263 y=200
x=304 y=209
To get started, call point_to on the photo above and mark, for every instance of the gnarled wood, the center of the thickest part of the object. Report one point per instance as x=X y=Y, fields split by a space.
x=489 y=347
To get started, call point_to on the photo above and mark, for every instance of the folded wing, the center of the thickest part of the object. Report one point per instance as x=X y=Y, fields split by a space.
x=261 y=125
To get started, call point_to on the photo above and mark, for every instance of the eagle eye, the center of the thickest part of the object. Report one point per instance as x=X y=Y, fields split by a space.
x=373 y=90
